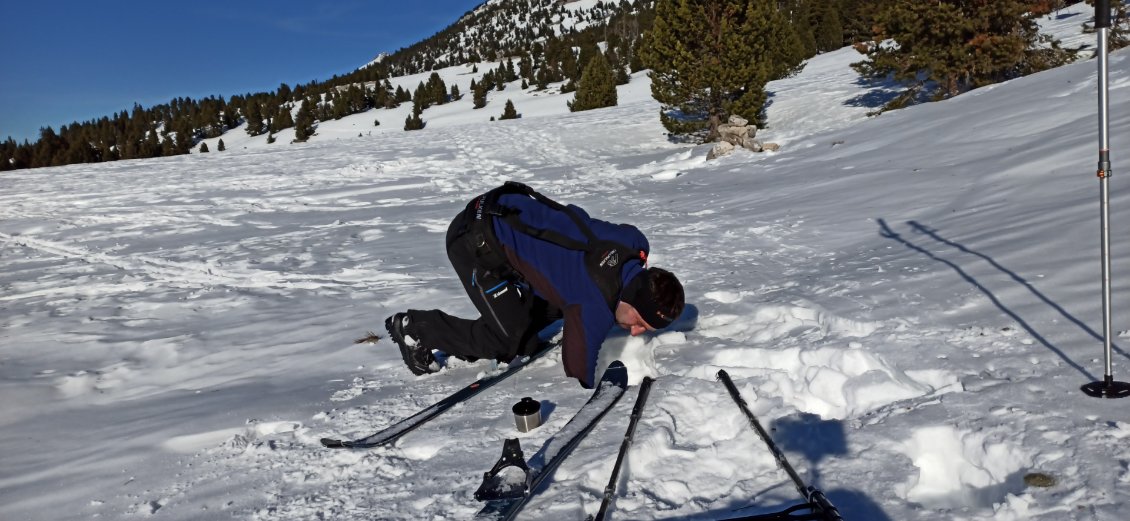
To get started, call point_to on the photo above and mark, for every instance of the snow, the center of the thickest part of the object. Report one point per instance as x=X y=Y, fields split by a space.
x=909 y=303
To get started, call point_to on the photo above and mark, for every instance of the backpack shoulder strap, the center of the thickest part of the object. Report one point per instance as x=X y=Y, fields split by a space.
x=560 y=239
x=603 y=258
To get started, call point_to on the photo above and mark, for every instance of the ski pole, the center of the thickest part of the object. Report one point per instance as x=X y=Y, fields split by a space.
x=1108 y=387
x=815 y=498
x=637 y=411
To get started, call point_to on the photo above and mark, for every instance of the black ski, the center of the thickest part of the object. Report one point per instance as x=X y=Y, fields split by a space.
x=507 y=493
x=817 y=505
x=400 y=428
x=637 y=411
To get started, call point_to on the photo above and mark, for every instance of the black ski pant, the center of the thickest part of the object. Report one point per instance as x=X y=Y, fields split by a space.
x=510 y=315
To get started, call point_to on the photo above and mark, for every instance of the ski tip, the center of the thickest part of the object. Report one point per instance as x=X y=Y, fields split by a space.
x=332 y=443
x=616 y=374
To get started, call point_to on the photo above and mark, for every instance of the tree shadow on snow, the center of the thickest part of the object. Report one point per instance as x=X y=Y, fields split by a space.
x=886 y=232
x=879 y=92
x=1059 y=15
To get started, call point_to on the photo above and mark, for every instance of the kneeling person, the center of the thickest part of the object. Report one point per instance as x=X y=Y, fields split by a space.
x=527 y=261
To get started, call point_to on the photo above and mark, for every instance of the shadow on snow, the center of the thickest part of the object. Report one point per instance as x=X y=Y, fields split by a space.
x=886 y=232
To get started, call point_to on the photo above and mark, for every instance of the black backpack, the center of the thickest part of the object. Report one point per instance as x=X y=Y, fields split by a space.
x=603 y=258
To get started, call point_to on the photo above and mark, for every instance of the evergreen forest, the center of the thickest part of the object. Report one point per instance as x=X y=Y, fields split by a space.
x=727 y=51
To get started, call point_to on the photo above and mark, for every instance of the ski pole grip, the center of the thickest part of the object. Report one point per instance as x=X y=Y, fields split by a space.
x=1102 y=14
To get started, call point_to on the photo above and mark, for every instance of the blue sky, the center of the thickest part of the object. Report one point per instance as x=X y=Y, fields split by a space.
x=78 y=60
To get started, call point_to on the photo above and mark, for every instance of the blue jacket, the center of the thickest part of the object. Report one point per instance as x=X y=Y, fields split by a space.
x=560 y=275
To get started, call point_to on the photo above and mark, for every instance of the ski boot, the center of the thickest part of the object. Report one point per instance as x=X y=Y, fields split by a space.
x=418 y=358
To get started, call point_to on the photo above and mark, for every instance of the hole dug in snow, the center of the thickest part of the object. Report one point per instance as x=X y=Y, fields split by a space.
x=961 y=469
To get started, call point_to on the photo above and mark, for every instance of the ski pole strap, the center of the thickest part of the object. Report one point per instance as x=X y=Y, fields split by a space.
x=815 y=499
x=487 y=248
x=511 y=217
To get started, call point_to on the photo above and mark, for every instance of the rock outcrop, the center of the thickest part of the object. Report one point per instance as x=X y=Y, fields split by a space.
x=737 y=132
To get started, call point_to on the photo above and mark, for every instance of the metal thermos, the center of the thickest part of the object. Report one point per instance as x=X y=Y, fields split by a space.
x=527 y=414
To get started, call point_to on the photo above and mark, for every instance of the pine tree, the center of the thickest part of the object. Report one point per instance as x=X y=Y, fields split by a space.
x=355 y=99
x=829 y=29
x=542 y=78
x=479 y=95
x=569 y=67
x=597 y=88
x=204 y=148
x=526 y=67
x=419 y=101
x=220 y=146
x=21 y=158
x=510 y=112
x=152 y=145
x=436 y=89
x=186 y=136
x=304 y=121
x=413 y=122
x=254 y=115
x=167 y=146
x=588 y=51
x=340 y=107
x=229 y=117
x=799 y=13
x=710 y=59
x=619 y=71
x=858 y=18
x=7 y=153
x=282 y=120
x=951 y=46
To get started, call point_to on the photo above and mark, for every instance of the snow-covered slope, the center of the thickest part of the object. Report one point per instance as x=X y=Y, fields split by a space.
x=910 y=302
